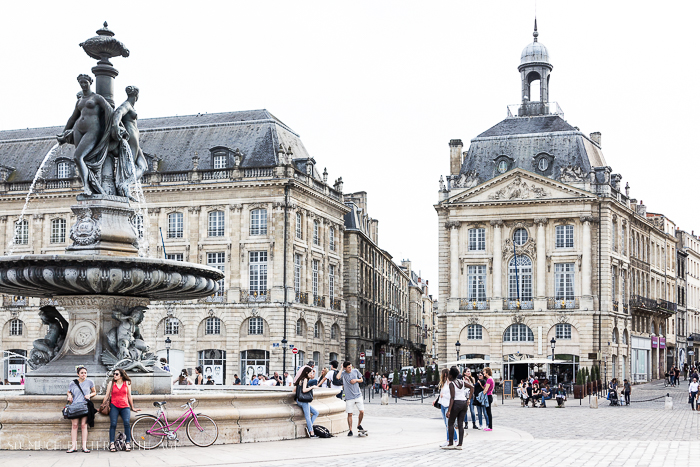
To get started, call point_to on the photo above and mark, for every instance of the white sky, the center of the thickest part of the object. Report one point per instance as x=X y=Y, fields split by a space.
x=376 y=89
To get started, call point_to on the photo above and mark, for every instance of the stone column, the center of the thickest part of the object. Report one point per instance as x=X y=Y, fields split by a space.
x=586 y=258
x=540 y=292
x=454 y=258
x=497 y=259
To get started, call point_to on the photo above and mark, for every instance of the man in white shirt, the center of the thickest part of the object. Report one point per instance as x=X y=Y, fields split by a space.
x=288 y=380
x=328 y=379
x=693 y=393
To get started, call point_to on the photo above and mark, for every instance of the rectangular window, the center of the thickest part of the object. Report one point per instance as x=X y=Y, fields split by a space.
x=22 y=233
x=212 y=325
x=314 y=283
x=298 y=225
x=172 y=326
x=58 y=230
x=175 y=225
x=477 y=239
x=316 y=227
x=15 y=327
x=218 y=261
x=564 y=236
x=175 y=256
x=623 y=240
x=331 y=239
x=614 y=282
x=255 y=326
x=564 y=281
x=216 y=224
x=297 y=273
x=62 y=170
x=563 y=331
x=331 y=283
x=476 y=281
x=258 y=273
x=614 y=236
x=220 y=161
x=258 y=222
x=137 y=221
x=474 y=332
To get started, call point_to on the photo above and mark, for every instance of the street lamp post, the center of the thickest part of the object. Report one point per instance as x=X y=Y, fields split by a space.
x=457 y=346
x=168 y=342
x=554 y=343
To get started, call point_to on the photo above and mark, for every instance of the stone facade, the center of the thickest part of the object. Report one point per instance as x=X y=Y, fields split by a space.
x=689 y=250
x=538 y=242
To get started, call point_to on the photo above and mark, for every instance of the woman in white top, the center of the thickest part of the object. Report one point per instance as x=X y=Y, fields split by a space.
x=457 y=409
x=444 y=402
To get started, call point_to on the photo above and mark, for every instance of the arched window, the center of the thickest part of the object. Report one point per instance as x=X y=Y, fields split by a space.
x=258 y=222
x=562 y=331
x=518 y=333
x=474 y=332
x=335 y=332
x=58 y=230
x=255 y=326
x=16 y=327
x=212 y=325
x=661 y=330
x=22 y=232
x=216 y=224
x=317 y=359
x=653 y=329
x=520 y=278
x=298 y=225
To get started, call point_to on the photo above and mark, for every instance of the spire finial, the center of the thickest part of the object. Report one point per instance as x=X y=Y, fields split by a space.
x=535 y=33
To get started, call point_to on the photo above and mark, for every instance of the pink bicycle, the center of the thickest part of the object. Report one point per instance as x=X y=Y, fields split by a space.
x=149 y=431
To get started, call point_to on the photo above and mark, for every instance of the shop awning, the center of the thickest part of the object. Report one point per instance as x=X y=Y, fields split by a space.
x=537 y=361
x=472 y=361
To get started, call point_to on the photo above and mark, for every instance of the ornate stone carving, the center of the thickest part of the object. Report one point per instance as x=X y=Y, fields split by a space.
x=153 y=211
x=86 y=231
x=473 y=320
x=571 y=174
x=587 y=219
x=47 y=348
x=518 y=318
x=236 y=207
x=442 y=185
x=194 y=209
x=519 y=189
x=541 y=220
x=496 y=222
x=254 y=312
x=452 y=224
x=128 y=349
x=563 y=318
x=83 y=337
x=38 y=217
x=528 y=248
x=467 y=180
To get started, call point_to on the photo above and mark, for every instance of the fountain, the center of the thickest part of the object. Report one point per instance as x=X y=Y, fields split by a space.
x=101 y=287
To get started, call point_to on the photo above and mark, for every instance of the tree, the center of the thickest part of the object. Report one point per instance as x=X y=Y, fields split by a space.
x=428 y=374
x=396 y=379
x=409 y=377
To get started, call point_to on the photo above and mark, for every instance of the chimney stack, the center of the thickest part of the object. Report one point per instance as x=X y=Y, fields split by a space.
x=595 y=137
x=455 y=156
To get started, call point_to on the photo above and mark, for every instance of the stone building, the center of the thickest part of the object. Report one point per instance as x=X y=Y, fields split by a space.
x=541 y=246
x=689 y=246
x=376 y=292
x=236 y=191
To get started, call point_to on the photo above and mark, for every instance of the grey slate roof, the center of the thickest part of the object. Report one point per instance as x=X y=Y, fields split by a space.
x=257 y=133
x=523 y=138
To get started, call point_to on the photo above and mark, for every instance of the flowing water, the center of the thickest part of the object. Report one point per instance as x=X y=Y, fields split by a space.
x=141 y=210
x=37 y=176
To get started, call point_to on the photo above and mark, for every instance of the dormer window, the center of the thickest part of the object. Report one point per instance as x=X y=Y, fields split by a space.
x=219 y=161
x=221 y=157
x=503 y=164
x=62 y=170
x=543 y=163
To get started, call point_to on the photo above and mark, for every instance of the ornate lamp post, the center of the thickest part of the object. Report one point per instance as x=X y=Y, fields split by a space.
x=457 y=346
x=554 y=344
x=168 y=342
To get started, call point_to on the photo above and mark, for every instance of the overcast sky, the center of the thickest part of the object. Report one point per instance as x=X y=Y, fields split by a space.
x=376 y=89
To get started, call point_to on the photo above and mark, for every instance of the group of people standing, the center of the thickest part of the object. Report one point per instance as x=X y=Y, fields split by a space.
x=459 y=395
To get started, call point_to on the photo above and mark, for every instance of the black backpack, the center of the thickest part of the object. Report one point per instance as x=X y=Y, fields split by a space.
x=322 y=432
x=120 y=442
x=338 y=381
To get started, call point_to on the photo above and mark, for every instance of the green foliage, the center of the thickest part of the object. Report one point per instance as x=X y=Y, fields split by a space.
x=579 y=377
x=436 y=375
x=409 y=377
x=396 y=380
x=428 y=374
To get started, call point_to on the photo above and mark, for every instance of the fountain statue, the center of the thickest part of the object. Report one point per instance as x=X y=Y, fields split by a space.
x=101 y=284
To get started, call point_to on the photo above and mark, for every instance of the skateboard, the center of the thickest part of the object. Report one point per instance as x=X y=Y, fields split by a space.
x=362 y=433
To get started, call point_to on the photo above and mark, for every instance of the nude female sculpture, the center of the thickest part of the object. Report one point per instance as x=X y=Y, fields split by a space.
x=46 y=349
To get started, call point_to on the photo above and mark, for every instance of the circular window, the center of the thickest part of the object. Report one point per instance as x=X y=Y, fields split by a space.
x=502 y=166
x=520 y=237
x=543 y=164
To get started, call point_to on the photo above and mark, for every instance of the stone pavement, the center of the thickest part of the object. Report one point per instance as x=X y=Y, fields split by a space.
x=408 y=433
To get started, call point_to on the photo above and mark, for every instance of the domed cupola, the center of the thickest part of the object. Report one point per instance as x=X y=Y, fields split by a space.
x=534 y=66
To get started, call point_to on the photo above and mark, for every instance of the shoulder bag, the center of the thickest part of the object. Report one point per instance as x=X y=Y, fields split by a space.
x=104 y=406
x=302 y=396
x=436 y=403
x=76 y=409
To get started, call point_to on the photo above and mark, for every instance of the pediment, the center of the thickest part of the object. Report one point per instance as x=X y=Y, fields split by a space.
x=518 y=185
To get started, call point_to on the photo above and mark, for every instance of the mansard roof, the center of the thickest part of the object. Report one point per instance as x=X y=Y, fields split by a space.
x=174 y=140
x=521 y=141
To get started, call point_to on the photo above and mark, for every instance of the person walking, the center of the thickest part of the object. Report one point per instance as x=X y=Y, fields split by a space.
x=627 y=390
x=457 y=410
x=80 y=391
x=353 y=396
x=377 y=382
x=304 y=395
x=488 y=389
x=444 y=401
x=121 y=403
x=693 y=393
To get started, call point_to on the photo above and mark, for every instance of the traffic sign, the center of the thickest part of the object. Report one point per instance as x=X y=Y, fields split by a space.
x=295 y=351
x=362 y=355
x=362 y=365
x=362 y=361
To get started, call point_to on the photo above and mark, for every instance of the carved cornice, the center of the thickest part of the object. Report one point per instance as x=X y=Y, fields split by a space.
x=236 y=207
x=496 y=222
x=590 y=219
x=215 y=208
x=194 y=209
x=452 y=224
x=541 y=221
x=38 y=217
x=519 y=189
x=153 y=211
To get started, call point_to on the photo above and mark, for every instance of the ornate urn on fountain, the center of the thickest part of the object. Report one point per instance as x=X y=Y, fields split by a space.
x=101 y=287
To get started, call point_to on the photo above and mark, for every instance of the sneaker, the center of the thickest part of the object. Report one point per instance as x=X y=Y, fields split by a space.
x=488 y=429
x=458 y=447
x=350 y=433
x=359 y=428
x=449 y=446
x=444 y=444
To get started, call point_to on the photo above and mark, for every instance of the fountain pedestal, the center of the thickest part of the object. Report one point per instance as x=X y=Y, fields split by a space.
x=90 y=322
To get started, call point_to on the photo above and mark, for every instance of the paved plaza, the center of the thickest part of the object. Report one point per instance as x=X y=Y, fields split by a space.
x=408 y=432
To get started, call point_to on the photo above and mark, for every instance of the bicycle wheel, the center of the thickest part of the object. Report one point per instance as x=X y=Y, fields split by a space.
x=204 y=435
x=140 y=432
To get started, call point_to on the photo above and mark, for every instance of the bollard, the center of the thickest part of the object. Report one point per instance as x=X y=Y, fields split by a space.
x=594 y=402
x=668 y=403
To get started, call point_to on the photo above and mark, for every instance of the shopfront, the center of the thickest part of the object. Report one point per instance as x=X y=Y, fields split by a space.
x=641 y=359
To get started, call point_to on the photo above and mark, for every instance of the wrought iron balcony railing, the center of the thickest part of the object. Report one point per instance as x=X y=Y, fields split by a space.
x=626 y=308
x=518 y=304
x=336 y=304
x=301 y=297
x=319 y=301
x=15 y=300
x=255 y=296
x=616 y=306
x=554 y=303
x=472 y=304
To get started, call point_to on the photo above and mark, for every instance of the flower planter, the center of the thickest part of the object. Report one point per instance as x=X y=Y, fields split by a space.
x=579 y=391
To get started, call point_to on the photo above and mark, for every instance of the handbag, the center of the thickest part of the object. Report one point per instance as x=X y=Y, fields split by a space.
x=302 y=396
x=104 y=406
x=436 y=404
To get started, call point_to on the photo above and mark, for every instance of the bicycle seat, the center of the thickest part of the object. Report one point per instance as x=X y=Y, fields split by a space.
x=159 y=404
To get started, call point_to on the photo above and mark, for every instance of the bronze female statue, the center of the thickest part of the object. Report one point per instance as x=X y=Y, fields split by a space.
x=46 y=349
x=125 y=130
x=86 y=130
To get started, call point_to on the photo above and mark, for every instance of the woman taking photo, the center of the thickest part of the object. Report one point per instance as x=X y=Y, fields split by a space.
x=79 y=394
x=488 y=389
x=444 y=401
x=120 y=405
x=457 y=409
x=304 y=396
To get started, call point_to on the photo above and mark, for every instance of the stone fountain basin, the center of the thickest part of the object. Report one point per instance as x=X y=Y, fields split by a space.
x=73 y=274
